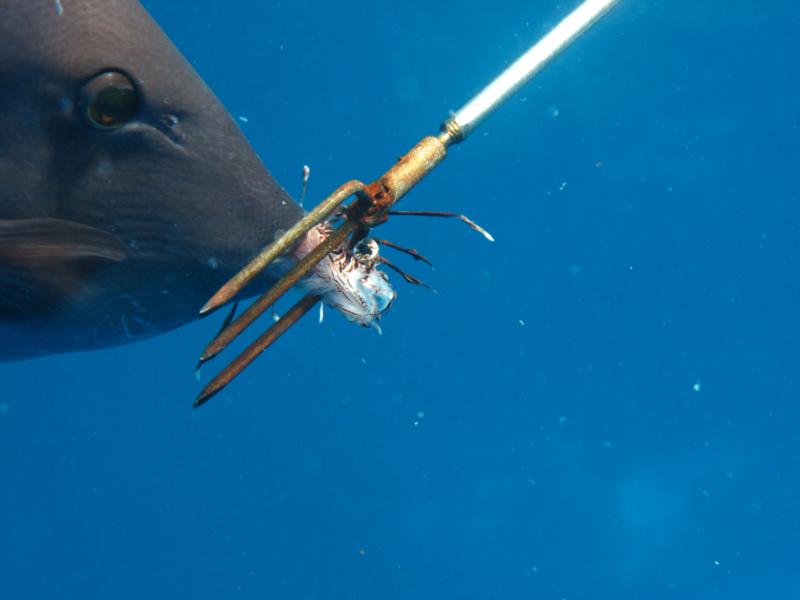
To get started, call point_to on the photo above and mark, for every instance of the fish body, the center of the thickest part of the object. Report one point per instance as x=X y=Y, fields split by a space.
x=128 y=195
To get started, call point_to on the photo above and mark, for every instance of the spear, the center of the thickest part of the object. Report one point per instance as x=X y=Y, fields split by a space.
x=373 y=202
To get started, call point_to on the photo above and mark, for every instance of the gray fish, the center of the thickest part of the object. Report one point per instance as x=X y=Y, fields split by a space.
x=128 y=194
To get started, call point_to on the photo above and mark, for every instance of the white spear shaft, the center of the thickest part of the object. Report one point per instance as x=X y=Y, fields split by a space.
x=468 y=117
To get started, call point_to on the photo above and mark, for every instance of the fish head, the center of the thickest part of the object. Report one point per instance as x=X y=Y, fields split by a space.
x=128 y=194
x=103 y=122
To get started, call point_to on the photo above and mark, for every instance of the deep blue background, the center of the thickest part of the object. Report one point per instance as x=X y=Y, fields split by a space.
x=602 y=404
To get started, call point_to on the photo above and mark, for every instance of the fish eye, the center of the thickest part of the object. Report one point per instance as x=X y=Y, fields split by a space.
x=109 y=100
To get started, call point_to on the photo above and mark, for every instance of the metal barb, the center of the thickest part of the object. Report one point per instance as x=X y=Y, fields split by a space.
x=225 y=324
x=263 y=342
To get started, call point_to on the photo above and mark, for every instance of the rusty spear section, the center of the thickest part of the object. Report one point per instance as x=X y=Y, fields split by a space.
x=385 y=191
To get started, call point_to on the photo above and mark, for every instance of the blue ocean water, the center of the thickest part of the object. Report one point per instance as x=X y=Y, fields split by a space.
x=601 y=404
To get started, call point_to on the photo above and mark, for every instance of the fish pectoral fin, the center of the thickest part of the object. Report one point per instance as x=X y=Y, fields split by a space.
x=45 y=262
